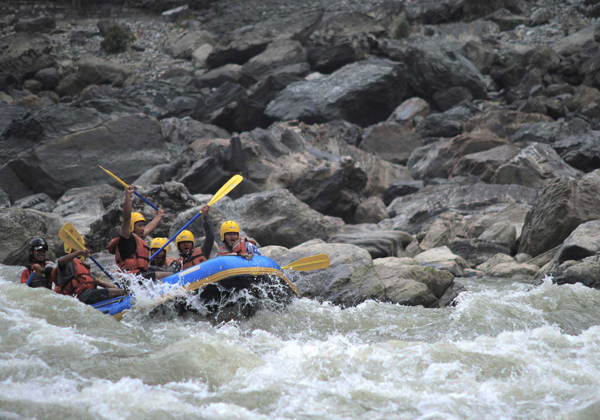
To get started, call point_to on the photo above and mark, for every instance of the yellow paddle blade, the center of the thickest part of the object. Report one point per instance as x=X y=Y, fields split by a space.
x=69 y=235
x=316 y=262
x=225 y=189
x=115 y=177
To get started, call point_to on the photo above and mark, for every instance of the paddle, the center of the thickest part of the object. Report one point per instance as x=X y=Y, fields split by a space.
x=69 y=235
x=223 y=191
x=123 y=183
x=316 y=262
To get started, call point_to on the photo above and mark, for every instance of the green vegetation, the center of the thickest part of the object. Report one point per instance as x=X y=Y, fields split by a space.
x=400 y=27
x=117 y=40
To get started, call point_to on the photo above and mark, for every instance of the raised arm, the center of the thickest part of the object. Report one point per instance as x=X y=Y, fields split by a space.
x=70 y=257
x=125 y=231
x=154 y=223
x=210 y=236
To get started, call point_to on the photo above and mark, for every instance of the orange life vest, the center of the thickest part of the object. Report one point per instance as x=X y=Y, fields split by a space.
x=195 y=258
x=38 y=281
x=138 y=261
x=238 y=248
x=81 y=280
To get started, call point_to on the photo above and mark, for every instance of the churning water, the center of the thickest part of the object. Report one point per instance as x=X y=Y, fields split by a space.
x=506 y=351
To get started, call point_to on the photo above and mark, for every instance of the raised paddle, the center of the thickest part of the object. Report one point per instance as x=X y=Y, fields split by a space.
x=316 y=262
x=123 y=183
x=223 y=191
x=69 y=235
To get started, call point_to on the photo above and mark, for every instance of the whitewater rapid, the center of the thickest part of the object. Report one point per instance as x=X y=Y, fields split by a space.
x=507 y=351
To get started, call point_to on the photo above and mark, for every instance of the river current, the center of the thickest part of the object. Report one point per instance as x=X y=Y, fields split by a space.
x=507 y=350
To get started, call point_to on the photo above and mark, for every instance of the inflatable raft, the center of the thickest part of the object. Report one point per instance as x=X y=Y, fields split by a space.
x=213 y=281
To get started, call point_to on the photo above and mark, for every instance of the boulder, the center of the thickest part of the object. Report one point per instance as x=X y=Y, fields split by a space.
x=19 y=226
x=200 y=56
x=216 y=77
x=40 y=202
x=327 y=57
x=379 y=243
x=44 y=24
x=485 y=164
x=443 y=259
x=4 y=199
x=433 y=67
x=159 y=174
x=581 y=151
x=363 y=93
x=562 y=205
x=503 y=265
x=92 y=71
x=586 y=272
x=504 y=123
x=8 y=113
x=279 y=53
x=183 y=45
x=372 y=210
x=408 y=110
x=184 y=131
x=450 y=97
x=242 y=48
x=534 y=167
x=400 y=189
x=23 y=55
x=412 y=284
x=583 y=242
x=37 y=171
x=349 y=23
x=349 y=280
x=391 y=141
x=477 y=251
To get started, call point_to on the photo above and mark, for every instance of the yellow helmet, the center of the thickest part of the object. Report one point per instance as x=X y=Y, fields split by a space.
x=185 y=236
x=68 y=249
x=157 y=243
x=229 y=226
x=136 y=217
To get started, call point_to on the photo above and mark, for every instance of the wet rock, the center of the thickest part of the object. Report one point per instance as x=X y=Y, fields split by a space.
x=372 y=210
x=533 y=167
x=349 y=280
x=562 y=205
x=40 y=202
x=586 y=272
x=391 y=141
x=443 y=259
x=19 y=226
x=23 y=55
x=410 y=284
x=379 y=243
x=37 y=171
x=363 y=93
x=503 y=265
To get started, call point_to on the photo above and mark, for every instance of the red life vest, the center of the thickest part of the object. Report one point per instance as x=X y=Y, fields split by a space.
x=138 y=261
x=238 y=248
x=81 y=280
x=39 y=280
x=195 y=258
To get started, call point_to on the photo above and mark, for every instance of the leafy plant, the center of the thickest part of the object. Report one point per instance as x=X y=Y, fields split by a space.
x=116 y=40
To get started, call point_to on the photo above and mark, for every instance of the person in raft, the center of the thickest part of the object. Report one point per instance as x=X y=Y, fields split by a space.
x=233 y=244
x=189 y=255
x=73 y=278
x=38 y=272
x=129 y=248
x=161 y=262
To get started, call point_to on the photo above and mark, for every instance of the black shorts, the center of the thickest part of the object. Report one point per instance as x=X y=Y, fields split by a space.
x=91 y=296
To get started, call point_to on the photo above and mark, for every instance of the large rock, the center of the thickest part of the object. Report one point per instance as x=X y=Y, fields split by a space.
x=503 y=265
x=185 y=131
x=364 y=93
x=92 y=70
x=183 y=45
x=485 y=164
x=562 y=205
x=274 y=218
x=24 y=54
x=9 y=113
x=379 y=243
x=583 y=242
x=534 y=167
x=391 y=141
x=4 y=199
x=38 y=171
x=42 y=24
x=349 y=280
x=586 y=272
x=40 y=202
x=581 y=151
x=443 y=259
x=408 y=110
x=349 y=23
x=19 y=226
x=327 y=57
x=279 y=53
x=411 y=284
x=432 y=67
x=241 y=49
x=372 y=210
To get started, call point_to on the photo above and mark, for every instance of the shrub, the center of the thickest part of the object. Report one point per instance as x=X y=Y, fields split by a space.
x=117 y=40
x=400 y=27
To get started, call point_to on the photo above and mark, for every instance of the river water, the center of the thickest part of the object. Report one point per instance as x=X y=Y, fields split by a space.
x=507 y=351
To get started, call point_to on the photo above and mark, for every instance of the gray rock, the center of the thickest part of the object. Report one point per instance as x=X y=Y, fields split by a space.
x=184 y=131
x=279 y=53
x=37 y=171
x=400 y=189
x=8 y=114
x=40 y=202
x=43 y=24
x=327 y=57
x=477 y=251
x=391 y=141
x=4 y=199
x=586 y=272
x=534 y=167
x=503 y=265
x=19 y=226
x=443 y=259
x=241 y=49
x=379 y=243
x=583 y=242
x=408 y=110
x=182 y=45
x=372 y=210
x=158 y=175
x=24 y=54
x=350 y=23
x=485 y=164
x=92 y=71
x=450 y=97
x=216 y=77
x=364 y=93
x=581 y=151
x=562 y=205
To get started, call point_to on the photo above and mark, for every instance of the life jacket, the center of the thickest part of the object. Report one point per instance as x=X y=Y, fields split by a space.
x=138 y=261
x=195 y=258
x=40 y=279
x=238 y=248
x=80 y=281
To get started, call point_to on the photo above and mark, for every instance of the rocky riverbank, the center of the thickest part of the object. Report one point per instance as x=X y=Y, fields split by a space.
x=414 y=142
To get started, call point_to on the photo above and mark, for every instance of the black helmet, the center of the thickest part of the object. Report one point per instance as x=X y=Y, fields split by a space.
x=37 y=243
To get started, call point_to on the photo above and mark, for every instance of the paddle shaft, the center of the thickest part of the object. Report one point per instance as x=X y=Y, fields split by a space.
x=174 y=236
x=147 y=202
x=105 y=272
x=123 y=183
